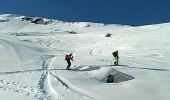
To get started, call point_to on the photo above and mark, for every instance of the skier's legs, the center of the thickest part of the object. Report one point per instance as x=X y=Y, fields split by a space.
x=117 y=60
x=115 y=63
x=69 y=64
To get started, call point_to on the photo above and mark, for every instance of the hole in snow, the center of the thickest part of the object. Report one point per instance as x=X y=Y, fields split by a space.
x=102 y=74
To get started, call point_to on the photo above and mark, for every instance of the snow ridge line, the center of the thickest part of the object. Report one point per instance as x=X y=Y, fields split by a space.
x=55 y=94
x=71 y=86
x=51 y=89
x=64 y=82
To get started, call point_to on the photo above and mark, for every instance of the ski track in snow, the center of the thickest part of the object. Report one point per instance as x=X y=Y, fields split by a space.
x=41 y=83
x=40 y=91
x=29 y=91
x=61 y=80
x=82 y=94
x=16 y=87
x=96 y=51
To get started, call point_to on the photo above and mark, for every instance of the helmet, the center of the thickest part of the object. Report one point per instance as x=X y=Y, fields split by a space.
x=70 y=54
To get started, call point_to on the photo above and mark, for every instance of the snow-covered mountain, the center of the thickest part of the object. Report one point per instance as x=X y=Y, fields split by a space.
x=32 y=65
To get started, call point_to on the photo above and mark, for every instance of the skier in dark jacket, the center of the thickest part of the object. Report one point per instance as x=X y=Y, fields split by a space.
x=116 y=56
x=68 y=58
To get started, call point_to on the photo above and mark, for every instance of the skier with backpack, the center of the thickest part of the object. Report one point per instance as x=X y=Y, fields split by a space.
x=68 y=58
x=116 y=56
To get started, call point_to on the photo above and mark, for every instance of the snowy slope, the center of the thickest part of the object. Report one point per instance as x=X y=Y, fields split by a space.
x=32 y=64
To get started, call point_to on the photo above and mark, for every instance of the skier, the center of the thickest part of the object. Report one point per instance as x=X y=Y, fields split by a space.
x=116 y=56
x=68 y=58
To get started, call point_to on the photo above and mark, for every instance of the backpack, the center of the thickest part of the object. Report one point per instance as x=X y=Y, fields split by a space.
x=114 y=54
x=67 y=57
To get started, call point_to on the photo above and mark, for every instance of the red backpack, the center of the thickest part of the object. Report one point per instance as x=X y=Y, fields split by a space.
x=67 y=57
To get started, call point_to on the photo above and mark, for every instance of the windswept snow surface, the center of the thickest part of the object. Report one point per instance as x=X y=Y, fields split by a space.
x=32 y=65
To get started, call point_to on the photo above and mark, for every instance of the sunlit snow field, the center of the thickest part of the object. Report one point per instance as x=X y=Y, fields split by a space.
x=32 y=65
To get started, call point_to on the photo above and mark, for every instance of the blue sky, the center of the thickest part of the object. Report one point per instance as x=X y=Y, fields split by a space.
x=133 y=12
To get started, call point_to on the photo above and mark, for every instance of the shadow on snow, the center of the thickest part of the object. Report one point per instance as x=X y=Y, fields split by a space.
x=156 y=69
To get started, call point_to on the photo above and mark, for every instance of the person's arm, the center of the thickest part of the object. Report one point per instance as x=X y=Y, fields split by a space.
x=72 y=58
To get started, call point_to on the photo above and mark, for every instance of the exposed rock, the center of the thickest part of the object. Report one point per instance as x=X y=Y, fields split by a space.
x=27 y=18
x=108 y=35
x=37 y=20
x=71 y=32
x=4 y=20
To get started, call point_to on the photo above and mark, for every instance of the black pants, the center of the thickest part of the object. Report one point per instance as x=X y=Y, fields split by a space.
x=117 y=61
x=69 y=64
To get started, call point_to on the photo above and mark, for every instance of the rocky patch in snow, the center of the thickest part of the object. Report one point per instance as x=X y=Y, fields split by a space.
x=4 y=20
x=37 y=20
